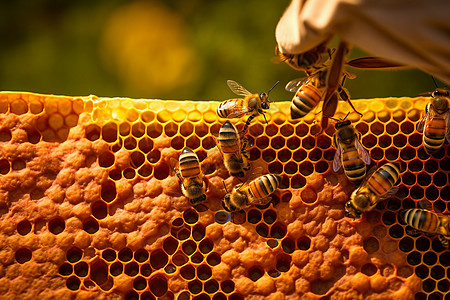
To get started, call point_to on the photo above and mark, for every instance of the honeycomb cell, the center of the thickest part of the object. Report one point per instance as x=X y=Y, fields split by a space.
x=414 y=258
x=254 y=216
x=299 y=155
x=190 y=216
x=108 y=191
x=429 y=285
x=170 y=245
x=422 y=244
x=5 y=167
x=371 y=245
x=99 y=272
x=283 y=262
x=277 y=142
x=24 y=227
x=262 y=142
x=269 y=216
x=73 y=283
x=5 y=135
x=392 y=154
x=18 y=107
x=74 y=254
x=183 y=234
x=369 y=141
x=195 y=286
x=399 y=141
x=204 y=272
x=288 y=245
x=444 y=285
x=193 y=142
x=222 y=217
x=145 y=270
x=406 y=244
x=213 y=259
x=269 y=155
x=189 y=247
x=154 y=130
x=444 y=259
x=109 y=132
x=377 y=128
x=430 y=258
x=384 y=141
x=23 y=255
x=262 y=229
x=396 y=231
x=306 y=168
x=131 y=269
x=432 y=193
x=255 y=272
x=90 y=226
x=272 y=243
x=131 y=295
x=369 y=269
x=158 y=285
x=417 y=192
x=158 y=259
x=206 y=246
x=301 y=130
x=308 y=195
x=275 y=167
x=65 y=269
x=407 y=153
x=308 y=143
x=187 y=272
x=437 y=272
x=271 y=130
x=81 y=269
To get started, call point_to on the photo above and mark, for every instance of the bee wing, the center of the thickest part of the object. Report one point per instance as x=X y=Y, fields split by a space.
x=173 y=165
x=258 y=171
x=422 y=121
x=295 y=84
x=368 y=175
x=426 y=204
x=261 y=201
x=337 y=163
x=363 y=154
x=237 y=88
x=389 y=193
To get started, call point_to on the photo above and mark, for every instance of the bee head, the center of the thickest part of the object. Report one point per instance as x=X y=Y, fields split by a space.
x=342 y=124
x=440 y=104
x=264 y=100
x=227 y=205
x=352 y=211
x=440 y=93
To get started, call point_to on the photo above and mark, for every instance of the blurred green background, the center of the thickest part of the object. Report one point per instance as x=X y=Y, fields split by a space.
x=173 y=49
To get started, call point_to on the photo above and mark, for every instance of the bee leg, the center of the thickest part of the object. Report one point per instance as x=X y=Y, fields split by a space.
x=443 y=240
x=244 y=131
x=244 y=144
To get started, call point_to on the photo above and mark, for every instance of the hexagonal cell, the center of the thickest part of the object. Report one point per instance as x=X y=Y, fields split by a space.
x=73 y=283
x=283 y=262
x=74 y=254
x=125 y=254
x=190 y=216
x=406 y=244
x=377 y=128
x=99 y=272
x=131 y=269
x=56 y=225
x=65 y=269
x=204 y=272
x=262 y=229
x=371 y=245
x=137 y=159
x=369 y=269
x=145 y=270
x=81 y=269
x=109 y=132
x=255 y=272
x=109 y=255
x=195 y=286
x=154 y=130
x=222 y=217
x=298 y=181
x=158 y=259
x=106 y=159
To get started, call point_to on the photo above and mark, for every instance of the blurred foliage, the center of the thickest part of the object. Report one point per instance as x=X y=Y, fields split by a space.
x=171 y=49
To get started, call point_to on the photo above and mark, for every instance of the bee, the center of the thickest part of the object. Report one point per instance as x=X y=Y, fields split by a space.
x=302 y=61
x=253 y=104
x=425 y=220
x=350 y=152
x=234 y=155
x=256 y=191
x=376 y=187
x=435 y=124
x=191 y=177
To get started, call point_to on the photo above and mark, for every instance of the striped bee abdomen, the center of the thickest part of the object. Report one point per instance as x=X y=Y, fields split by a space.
x=228 y=138
x=189 y=163
x=421 y=219
x=384 y=178
x=228 y=106
x=264 y=185
x=306 y=98
x=434 y=135
x=354 y=167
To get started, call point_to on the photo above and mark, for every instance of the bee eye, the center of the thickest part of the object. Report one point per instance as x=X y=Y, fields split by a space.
x=358 y=212
x=348 y=204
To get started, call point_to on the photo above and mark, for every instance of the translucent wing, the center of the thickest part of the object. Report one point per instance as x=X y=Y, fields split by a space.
x=262 y=201
x=424 y=119
x=337 y=163
x=237 y=88
x=173 y=166
x=362 y=152
x=426 y=204
x=389 y=193
x=295 y=84
x=258 y=171
x=368 y=175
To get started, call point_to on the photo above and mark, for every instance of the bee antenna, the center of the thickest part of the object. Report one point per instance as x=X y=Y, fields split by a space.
x=273 y=87
x=335 y=119
x=264 y=115
x=346 y=116
x=434 y=80
x=225 y=186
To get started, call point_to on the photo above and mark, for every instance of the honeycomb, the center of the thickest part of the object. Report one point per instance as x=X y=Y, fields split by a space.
x=90 y=208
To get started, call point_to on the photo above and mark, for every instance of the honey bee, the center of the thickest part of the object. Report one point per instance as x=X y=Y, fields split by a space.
x=302 y=61
x=256 y=191
x=376 y=187
x=350 y=152
x=253 y=104
x=435 y=124
x=234 y=154
x=425 y=220
x=191 y=176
